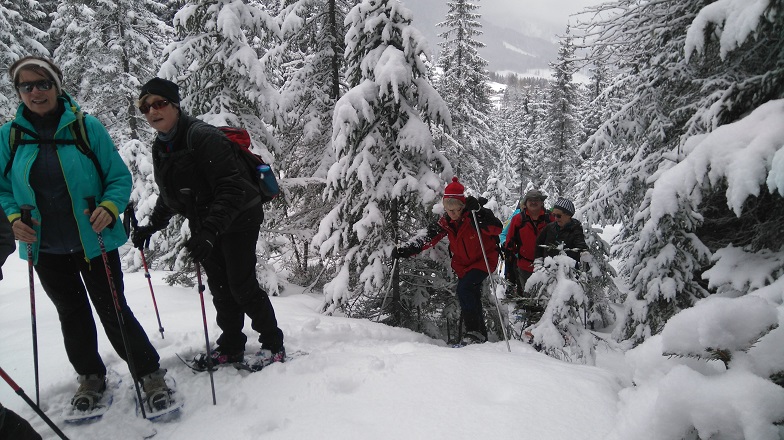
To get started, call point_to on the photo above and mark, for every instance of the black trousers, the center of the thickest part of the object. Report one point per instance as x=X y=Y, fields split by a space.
x=13 y=427
x=231 y=275
x=469 y=293
x=68 y=280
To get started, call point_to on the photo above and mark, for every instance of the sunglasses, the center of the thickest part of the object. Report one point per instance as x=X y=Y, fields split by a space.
x=27 y=87
x=157 y=105
x=560 y=215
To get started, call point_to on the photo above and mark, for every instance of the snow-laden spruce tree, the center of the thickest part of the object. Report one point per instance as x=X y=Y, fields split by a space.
x=562 y=332
x=18 y=37
x=218 y=61
x=385 y=178
x=106 y=51
x=308 y=69
x=559 y=159
x=463 y=85
x=645 y=41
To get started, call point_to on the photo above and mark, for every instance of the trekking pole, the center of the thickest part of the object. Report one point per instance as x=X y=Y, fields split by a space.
x=27 y=218
x=492 y=282
x=129 y=212
x=118 y=310
x=200 y=287
x=34 y=406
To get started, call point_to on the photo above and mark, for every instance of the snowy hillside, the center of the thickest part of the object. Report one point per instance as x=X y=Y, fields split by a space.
x=360 y=380
x=364 y=380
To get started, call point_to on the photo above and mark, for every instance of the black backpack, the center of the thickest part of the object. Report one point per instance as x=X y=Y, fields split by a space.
x=262 y=173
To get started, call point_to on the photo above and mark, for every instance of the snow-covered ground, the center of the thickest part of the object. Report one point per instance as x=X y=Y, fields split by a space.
x=364 y=380
x=360 y=380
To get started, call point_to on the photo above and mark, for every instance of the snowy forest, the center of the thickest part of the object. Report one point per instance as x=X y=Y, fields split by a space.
x=676 y=140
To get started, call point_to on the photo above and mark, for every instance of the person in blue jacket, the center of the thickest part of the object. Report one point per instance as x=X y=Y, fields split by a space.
x=48 y=172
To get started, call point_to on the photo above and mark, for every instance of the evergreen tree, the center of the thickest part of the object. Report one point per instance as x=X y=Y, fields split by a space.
x=308 y=70
x=19 y=36
x=463 y=84
x=385 y=175
x=559 y=160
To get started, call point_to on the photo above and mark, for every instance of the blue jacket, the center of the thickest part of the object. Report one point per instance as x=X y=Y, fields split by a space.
x=80 y=174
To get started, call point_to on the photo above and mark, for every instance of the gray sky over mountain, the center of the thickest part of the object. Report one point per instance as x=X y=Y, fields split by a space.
x=546 y=14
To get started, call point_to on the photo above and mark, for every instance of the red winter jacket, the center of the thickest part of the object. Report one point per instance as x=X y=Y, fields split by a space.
x=464 y=241
x=521 y=237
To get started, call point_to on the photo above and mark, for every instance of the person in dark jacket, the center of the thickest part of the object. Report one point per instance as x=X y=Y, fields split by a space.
x=468 y=260
x=522 y=233
x=55 y=178
x=224 y=211
x=565 y=231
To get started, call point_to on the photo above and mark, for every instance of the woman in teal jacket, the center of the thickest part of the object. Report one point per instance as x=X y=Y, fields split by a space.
x=47 y=171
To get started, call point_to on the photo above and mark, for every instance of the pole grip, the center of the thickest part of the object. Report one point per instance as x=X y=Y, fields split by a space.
x=90 y=203
x=27 y=214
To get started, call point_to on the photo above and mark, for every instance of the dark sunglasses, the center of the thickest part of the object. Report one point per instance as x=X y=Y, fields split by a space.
x=157 y=105
x=27 y=87
x=560 y=215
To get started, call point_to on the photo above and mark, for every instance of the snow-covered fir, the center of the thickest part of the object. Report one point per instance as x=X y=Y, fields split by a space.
x=673 y=152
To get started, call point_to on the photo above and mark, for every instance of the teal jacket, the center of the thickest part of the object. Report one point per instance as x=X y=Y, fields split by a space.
x=80 y=174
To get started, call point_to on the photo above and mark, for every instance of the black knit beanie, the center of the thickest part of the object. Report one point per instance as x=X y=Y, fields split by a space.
x=161 y=87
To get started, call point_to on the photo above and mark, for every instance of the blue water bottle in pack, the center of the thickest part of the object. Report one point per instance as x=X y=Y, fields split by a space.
x=269 y=185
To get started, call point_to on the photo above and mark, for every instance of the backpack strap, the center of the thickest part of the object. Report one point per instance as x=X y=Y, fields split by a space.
x=15 y=138
x=82 y=142
x=78 y=132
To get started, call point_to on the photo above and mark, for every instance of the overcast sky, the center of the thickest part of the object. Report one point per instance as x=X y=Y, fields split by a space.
x=549 y=13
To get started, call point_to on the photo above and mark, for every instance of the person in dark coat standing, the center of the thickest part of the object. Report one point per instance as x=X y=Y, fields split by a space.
x=565 y=231
x=468 y=260
x=224 y=211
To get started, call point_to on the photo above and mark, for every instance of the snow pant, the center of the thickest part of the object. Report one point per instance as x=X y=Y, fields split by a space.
x=68 y=280
x=469 y=292
x=231 y=275
x=522 y=278
x=13 y=427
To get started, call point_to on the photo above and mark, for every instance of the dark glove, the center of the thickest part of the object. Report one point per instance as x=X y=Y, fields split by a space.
x=471 y=204
x=140 y=236
x=200 y=245
x=404 y=252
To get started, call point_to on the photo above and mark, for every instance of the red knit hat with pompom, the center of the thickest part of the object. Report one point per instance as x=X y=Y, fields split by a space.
x=455 y=190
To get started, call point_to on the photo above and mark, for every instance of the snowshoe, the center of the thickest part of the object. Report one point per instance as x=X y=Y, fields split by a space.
x=93 y=398
x=217 y=358
x=161 y=402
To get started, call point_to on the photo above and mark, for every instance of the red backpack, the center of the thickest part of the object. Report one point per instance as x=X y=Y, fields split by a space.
x=268 y=184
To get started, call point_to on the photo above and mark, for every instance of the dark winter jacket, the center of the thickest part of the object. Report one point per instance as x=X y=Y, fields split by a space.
x=572 y=237
x=463 y=240
x=220 y=184
x=7 y=243
x=521 y=238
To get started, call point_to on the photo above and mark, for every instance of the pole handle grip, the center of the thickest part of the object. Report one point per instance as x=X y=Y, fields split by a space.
x=90 y=203
x=27 y=214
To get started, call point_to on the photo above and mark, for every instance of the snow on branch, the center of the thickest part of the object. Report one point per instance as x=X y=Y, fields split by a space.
x=734 y=22
x=742 y=153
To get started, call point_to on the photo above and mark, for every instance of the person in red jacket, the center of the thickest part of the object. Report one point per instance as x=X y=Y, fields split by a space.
x=468 y=260
x=524 y=228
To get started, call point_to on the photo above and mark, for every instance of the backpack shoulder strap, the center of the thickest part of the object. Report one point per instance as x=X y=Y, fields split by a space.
x=14 y=140
x=82 y=141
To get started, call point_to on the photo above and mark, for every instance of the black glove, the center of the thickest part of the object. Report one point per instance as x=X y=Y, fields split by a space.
x=404 y=252
x=140 y=236
x=471 y=204
x=200 y=245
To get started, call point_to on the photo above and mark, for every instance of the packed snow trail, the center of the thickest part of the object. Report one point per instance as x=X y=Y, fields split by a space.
x=360 y=380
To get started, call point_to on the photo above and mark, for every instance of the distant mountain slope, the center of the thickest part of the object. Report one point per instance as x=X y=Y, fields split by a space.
x=506 y=49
